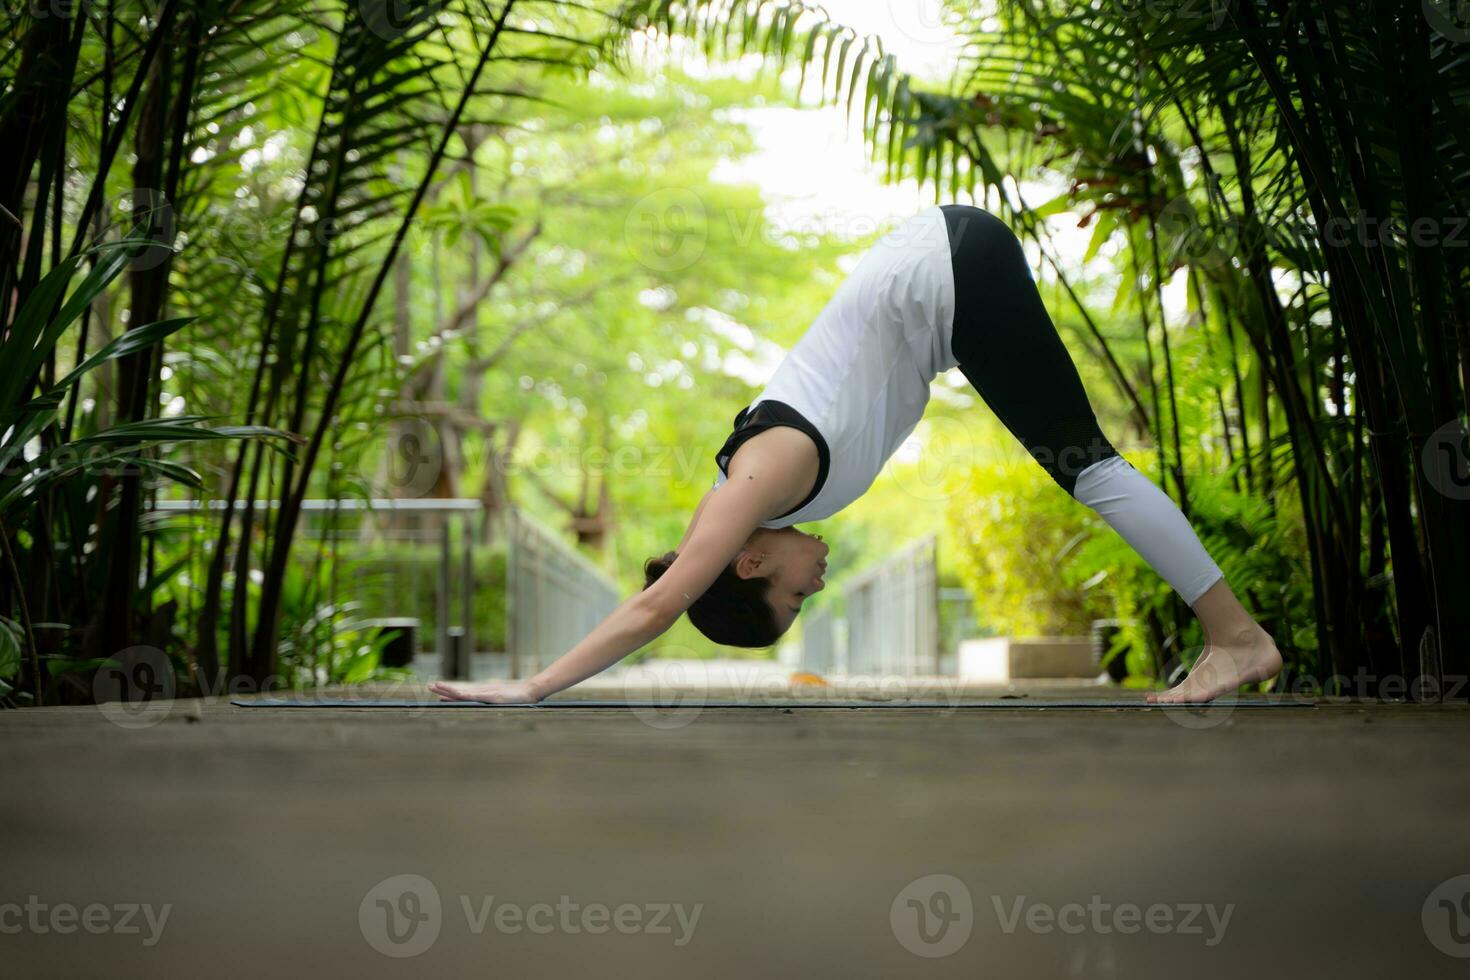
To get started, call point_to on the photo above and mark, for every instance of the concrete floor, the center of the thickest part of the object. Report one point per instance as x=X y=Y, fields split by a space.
x=804 y=837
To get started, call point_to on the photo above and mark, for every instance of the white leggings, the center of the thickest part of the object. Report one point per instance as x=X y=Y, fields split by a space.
x=1151 y=523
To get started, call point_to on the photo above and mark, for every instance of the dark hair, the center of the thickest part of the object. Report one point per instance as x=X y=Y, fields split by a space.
x=732 y=611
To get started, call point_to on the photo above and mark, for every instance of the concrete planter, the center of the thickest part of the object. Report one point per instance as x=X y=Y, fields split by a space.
x=1004 y=658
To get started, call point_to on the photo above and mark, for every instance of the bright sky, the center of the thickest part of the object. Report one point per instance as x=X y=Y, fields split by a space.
x=812 y=163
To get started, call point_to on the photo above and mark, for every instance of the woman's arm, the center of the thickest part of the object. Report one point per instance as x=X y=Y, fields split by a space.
x=694 y=519
x=761 y=484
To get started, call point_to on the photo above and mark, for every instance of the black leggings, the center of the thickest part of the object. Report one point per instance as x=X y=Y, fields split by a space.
x=1009 y=350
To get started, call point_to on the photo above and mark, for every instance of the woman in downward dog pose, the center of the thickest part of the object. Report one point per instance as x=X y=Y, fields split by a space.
x=950 y=287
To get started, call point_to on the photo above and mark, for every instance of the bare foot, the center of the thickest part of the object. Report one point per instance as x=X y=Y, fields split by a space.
x=490 y=692
x=1251 y=657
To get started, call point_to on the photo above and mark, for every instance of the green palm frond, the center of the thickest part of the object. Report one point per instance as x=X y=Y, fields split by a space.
x=33 y=337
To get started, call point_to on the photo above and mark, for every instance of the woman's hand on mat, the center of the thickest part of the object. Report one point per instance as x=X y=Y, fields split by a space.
x=491 y=692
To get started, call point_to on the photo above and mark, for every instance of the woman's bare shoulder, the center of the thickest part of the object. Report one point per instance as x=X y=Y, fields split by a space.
x=784 y=457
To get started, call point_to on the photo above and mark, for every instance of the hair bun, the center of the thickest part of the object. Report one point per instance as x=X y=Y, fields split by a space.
x=733 y=611
x=654 y=568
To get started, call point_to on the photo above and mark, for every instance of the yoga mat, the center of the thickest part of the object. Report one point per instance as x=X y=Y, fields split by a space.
x=694 y=702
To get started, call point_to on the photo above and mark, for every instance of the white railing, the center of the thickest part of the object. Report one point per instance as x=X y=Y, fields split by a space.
x=893 y=615
x=820 y=650
x=554 y=597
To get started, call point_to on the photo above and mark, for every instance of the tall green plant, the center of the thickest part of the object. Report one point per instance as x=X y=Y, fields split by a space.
x=34 y=458
x=104 y=103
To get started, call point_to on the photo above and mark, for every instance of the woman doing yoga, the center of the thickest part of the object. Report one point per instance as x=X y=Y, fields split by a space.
x=949 y=287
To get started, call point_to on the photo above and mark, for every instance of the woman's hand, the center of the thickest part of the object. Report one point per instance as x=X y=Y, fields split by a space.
x=490 y=692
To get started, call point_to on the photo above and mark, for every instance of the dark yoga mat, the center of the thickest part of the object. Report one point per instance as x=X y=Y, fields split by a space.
x=694 y=702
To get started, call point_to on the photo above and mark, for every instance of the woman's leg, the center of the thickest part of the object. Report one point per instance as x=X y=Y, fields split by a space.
x=1010 y=352
x=1237 y=650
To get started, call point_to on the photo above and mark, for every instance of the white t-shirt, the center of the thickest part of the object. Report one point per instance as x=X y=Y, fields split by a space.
x=860 y=374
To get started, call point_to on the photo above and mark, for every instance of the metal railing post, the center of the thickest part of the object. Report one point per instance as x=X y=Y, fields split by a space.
x=441 y=599
x=892 y=614
x=512 y=593
x=467 y=541
x=456 y=657
x=554 y=595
